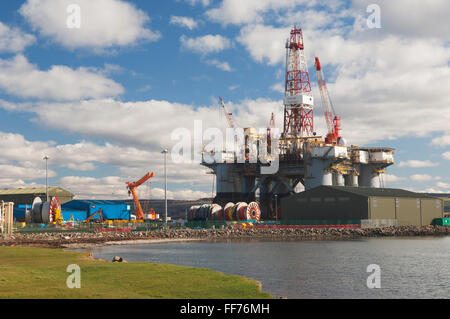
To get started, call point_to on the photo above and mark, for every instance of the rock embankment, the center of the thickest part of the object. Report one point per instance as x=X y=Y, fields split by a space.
x=84 y=239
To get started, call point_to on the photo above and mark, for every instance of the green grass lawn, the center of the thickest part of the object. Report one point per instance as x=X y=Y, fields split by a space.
x=27 y=272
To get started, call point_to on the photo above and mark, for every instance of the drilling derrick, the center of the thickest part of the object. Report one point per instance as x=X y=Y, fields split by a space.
x=298 y=102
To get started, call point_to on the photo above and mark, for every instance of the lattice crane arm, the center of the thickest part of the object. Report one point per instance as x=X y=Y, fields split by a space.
x=333 y=121
x=228 y=115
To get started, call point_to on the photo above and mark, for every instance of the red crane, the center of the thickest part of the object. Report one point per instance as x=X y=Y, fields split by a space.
x=228 y=115
x=333 y=120
x=132 y=190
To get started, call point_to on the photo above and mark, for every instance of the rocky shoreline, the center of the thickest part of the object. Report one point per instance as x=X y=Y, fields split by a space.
x=81 y=240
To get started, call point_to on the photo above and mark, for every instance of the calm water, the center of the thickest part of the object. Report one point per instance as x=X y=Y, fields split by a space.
x=410 y=268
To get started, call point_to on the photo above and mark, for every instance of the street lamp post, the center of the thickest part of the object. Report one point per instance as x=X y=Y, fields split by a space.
x=276 y=208
x=46 y=158
x=165 y=151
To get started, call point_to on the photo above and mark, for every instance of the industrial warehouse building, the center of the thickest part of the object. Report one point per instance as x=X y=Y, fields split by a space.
x=362 y=203
x=80 y=210
x=25 y=196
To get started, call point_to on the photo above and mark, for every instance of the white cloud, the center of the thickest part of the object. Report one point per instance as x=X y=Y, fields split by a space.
x=224 y=66
x=423 y=178
x=18 y=183
x=204 y=3
x=431 y=190
x=104 y=23
x=184 y=22
x=417 y=164
x=205 y=44
x=21 y=78
x=131 y=125
x=79 y=156
x=83 y=167
x=14 y=40
x=446 y=156
x=445 y=186
x=441 y=141
x=12 y=172
x=248 y=11
x=391 y=178
x=278 y=87
x=265 y=43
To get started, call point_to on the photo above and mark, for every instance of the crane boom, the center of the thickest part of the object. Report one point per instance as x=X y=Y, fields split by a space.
x=228 y=115
x=132 y=189
x=333 y=121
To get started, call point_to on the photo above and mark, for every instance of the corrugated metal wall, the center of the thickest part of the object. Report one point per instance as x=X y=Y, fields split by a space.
x=331 y=204
x=322 y=204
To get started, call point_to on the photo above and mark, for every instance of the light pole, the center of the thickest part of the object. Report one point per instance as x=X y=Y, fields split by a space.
x=165 y=151
x=276 y=208
x=46 y=158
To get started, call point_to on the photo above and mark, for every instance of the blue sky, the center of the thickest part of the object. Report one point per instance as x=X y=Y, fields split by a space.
x=104 y=99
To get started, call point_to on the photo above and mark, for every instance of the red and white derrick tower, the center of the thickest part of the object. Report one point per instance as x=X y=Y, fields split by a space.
x=298 y=102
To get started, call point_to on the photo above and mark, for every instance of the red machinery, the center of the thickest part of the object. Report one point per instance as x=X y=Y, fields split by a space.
x=100 y=216
x=333 y=120
x=132 y=190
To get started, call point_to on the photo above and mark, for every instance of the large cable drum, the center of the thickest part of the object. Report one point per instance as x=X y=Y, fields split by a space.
x=215 y=212
x=36 y=216
x=234 y=212
x=190 y=215
x=228 y=211
x=241 y=211
x=192 y=212
x=204 y=212
x=196 y=213
x=55 y=210
x=45 y=213
x=253 y=211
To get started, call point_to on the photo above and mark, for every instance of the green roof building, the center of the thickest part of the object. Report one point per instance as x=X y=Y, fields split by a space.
x=25 y=196
x=363 y=203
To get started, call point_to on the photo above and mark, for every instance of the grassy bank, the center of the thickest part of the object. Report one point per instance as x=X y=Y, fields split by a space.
x=27 y=272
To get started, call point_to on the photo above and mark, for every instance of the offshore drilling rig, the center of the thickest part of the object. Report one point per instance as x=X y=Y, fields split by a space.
x=302 y=156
